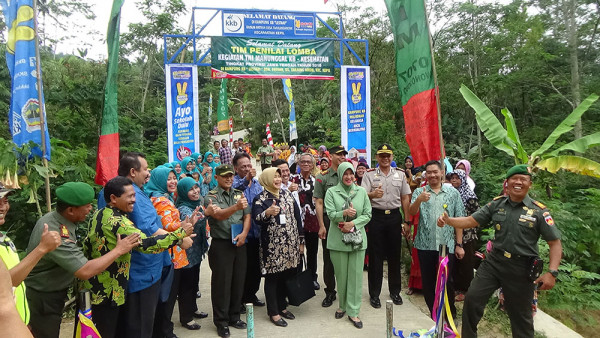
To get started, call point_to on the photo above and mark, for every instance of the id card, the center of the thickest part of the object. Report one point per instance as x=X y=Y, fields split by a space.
x=282 y=218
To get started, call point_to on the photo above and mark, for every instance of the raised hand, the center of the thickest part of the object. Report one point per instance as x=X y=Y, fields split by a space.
x=186 y=243
x=273 y=210
x=50 y=240
x=350 y=212
x=443 y=220
x=211 y=209
x=424 y=197
x=242 y=203
x=126 y=244
x=378 y=192
x=293 y=187
x=187 y=226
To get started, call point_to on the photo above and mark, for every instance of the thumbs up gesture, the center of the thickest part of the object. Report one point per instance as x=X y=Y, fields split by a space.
x=273 y=210
x=242 y=203
x=49 y=241
x=350 y=211
x=211 y=209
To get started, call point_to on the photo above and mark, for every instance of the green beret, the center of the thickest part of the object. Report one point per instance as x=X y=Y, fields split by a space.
x=75 y=193
x=518 y=169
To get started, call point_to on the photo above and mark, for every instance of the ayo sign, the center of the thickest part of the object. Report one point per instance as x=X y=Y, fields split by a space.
x=258 y=24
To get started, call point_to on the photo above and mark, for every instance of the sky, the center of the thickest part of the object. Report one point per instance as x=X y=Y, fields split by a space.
x=91 y=34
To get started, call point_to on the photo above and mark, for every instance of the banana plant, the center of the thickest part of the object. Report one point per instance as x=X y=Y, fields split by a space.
x=507 y=139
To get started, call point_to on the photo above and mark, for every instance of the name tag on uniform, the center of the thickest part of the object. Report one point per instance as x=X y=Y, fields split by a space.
x=282 y=219
x=527 y=218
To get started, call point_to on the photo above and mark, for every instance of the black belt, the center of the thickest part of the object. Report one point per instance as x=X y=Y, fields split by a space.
x=386 y=212
x=508 y=254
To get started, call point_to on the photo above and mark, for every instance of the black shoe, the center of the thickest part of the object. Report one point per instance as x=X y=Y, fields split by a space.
x=171 y=335
x=191 y=325
x=375 y=302
x=397 y=299
x=287 y=315
x=243 y=309
x=316 y=285
x=223 y=331
x=281 y=322
x=357 y=325
x=258 y=302
x=329 y=298
x=339 y=315
x=200 y=314
x=238 y=324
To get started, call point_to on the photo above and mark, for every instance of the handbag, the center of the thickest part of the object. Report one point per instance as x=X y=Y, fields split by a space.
x=353 y=238
x=300 y=287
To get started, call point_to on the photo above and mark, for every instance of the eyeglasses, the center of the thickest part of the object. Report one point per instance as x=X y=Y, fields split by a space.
x=305 y=162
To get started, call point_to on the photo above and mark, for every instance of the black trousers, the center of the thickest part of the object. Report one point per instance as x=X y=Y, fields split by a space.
x=429 y=260
x=328 y=274
x=253 y=275
x=275 y=291
x=106 y=319
x=463 y=268
x=163 y=325
x=186 y=295
x=45 y=309
x=385 y=242
x=510 y=274
x=311 y=241
x=228 y=265
x=136 y=319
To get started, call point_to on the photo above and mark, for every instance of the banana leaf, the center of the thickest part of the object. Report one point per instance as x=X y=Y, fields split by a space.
x=513 y=134
x=566 y=125
x=580 y=145
x=574 y=164
x=488 y=122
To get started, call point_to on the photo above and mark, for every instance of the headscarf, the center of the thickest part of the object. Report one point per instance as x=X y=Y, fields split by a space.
x=184 y=163
x=266 y=180
x=414 y=170
x=169 y=165
x=347 y=191
x=467 y=165
x=157 y=185
x=215 y=156
x=195 y=156
x=183 y=187
x=212 y=163
x=465 y=191
x=292 y=158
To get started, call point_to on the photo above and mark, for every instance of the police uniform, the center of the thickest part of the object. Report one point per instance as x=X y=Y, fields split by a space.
x=49 y=280
x=325 y=180
x=518 y=226
x=226 y=260
x=385 y=227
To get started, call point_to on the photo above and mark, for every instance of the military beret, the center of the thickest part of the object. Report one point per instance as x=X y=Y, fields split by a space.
x=518 y=169
x=224 y=169
x=75 y=193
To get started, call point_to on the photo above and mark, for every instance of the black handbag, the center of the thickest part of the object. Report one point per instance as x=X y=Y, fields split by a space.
x=300 y=287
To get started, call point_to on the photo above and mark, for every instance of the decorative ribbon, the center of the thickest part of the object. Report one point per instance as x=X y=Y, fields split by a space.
x=441 y=300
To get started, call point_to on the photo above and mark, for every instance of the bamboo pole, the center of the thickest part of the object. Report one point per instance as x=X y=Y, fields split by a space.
x=250 y=320
x=389 y=318
x=38 y=70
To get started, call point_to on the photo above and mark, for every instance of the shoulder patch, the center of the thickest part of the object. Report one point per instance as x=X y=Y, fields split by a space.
x=319 y=180
x=372 y=169
x=540 y=205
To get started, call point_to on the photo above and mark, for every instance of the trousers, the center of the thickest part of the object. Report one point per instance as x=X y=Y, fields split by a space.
x=385 y=242
x=348 y=267
x=328 y=273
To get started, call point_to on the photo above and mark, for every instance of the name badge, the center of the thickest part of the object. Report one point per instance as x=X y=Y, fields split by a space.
x=527 y=218
x=282 y=219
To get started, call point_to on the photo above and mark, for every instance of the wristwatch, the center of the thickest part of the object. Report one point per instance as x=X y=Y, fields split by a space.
x=554 y=273
x=460 y=245
x=407 y=222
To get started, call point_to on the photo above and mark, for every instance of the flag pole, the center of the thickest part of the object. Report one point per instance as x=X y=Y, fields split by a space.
x=38 y=70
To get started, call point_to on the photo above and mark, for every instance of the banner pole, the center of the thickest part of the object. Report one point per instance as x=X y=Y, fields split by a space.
x=38 y=69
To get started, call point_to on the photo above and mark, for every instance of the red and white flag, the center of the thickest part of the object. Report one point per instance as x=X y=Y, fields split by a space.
x=269 y=138
x=230 y=131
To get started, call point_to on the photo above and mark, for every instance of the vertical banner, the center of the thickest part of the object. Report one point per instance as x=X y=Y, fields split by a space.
x=414 y=73
x=356 y=111
x=209 y=108
x=182 y=111
x=222 y=108
x=287 y=89
x=24 y=117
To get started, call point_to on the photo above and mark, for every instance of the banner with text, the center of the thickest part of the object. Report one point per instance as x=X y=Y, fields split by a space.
x=182 y=111
x=356 y=111
x=260 y=24
x=270 y=58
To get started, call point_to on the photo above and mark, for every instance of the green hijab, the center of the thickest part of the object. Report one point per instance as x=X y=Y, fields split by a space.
x=266 y=180
x=183 y=187
x=157 y=185
x=347 y=191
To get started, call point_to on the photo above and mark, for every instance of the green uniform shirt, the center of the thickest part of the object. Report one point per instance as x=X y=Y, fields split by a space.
x=10 y=257
x=518 y=226
x=225 y=199
x=268 y=150
x=55 y=271
x=336 y=200
x=325 y=180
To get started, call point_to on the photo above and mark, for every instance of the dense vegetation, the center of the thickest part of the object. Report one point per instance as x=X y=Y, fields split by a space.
x=538 y=58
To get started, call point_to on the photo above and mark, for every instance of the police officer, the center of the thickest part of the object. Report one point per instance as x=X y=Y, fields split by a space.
x=388 y=191
x=325 y=180
x=519 y=221
x=228 y=211
x=48 y=282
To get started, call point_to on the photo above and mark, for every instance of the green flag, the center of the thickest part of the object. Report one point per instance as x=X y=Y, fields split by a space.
x=107 y=160
x=222 y=108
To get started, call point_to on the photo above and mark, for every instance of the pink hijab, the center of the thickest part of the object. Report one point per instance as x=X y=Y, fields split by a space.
x=467 y=165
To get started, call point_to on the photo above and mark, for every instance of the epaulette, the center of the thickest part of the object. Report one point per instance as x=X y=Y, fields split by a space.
x=372 y=169
x=213 y=192
x=324 y=172
x=539 y=204
x=498 y=197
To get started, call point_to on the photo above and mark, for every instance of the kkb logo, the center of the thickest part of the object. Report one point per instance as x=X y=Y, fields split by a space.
x=233 y=24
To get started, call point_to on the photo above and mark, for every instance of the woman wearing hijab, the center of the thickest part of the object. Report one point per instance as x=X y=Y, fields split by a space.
x=291 y=159
x=349 y=210
x=281 y=241
x=209 y=158
x=160 y=188
x=466 y=166
x=188 y=200
x=413 y=177
x=463 y=268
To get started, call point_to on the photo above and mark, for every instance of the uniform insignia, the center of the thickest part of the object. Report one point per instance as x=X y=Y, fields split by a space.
x=369 y=170
x=542 y=206
x=527 y=218
x=525 y=208
x=546 y=214
x=497 y=226
x=549 y=220
x=497 y=198
x=384 y=147
x=237 y=196
x=319 y=180
x=64 y=232
x=530 y=212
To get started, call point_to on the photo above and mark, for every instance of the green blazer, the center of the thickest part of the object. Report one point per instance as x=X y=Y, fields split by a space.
x=335 y=203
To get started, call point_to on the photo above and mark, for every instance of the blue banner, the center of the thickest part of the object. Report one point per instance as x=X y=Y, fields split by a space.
x=287 y=89
x=24 y=116
x=261 y=24
x=182 y=111
x=356 y=112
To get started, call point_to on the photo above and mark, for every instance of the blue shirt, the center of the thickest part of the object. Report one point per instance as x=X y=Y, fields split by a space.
x=146 y=269
x=250 y=192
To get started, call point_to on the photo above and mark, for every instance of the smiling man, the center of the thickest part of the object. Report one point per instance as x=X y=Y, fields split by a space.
x=519 y=221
